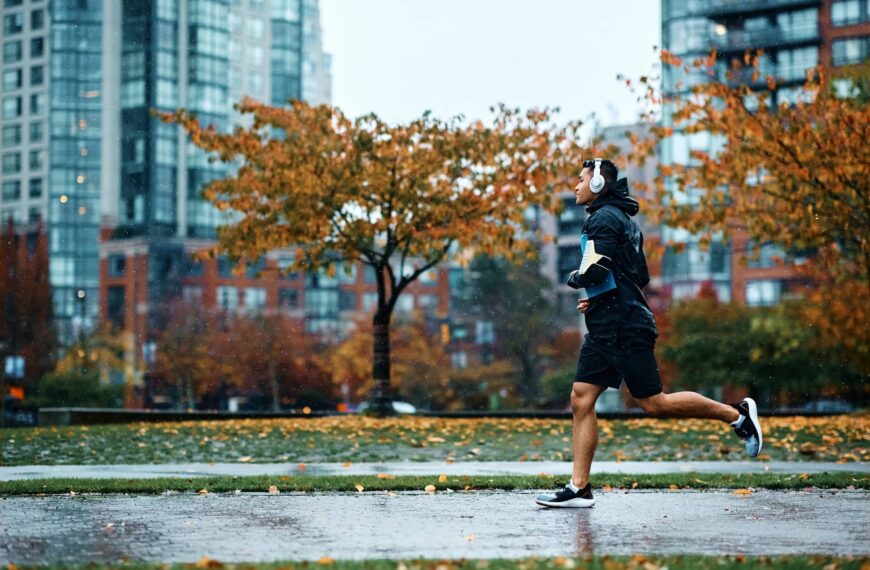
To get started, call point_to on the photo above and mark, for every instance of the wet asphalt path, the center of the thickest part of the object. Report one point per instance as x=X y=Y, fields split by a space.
x=479 y=524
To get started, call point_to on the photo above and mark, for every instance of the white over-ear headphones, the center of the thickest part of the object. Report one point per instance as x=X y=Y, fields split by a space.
x=596 y=185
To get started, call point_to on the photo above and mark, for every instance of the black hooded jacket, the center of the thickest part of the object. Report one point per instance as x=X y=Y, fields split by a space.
x=618 y=242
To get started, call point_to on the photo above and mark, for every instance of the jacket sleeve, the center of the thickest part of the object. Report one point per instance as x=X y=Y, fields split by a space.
x=602 y=237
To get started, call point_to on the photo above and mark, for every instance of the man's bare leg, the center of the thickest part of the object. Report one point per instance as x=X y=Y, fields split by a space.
x=584 y=429
x=688 y=405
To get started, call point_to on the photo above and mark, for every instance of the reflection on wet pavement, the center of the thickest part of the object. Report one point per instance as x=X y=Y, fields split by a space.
x=297 y=526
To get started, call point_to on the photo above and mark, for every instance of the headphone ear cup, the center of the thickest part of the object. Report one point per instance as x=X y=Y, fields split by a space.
x=596 y=185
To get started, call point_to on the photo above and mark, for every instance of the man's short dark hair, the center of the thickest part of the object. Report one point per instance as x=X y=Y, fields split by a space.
x=608 y=171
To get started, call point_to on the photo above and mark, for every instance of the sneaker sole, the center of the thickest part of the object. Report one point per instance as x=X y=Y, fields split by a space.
x=572 y=503
x=753 y=417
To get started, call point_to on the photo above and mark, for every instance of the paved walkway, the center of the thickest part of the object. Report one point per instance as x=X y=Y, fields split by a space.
x=481 y=524
x=419 y=468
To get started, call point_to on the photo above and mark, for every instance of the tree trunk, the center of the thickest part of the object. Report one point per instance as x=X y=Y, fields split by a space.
x=188 y=393
x=382 y=402
x=273 y=382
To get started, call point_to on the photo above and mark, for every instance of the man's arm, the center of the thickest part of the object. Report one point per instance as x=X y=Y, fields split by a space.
x=602 y=235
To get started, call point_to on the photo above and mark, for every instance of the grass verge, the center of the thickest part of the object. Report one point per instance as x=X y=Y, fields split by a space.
x=386 y=482
x=637 y=562
x=843 y=439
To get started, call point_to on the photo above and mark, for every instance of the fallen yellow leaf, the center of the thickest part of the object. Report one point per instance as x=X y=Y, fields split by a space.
x=325 y=560
x=346 y=464
x=206 y=562
x=743 y=492
x=385 y=476
x=442 y=478
x=359 y=487
x=673 y=487
x=429 y=488
x=273 y=490
x=246 y=459
x=203 y=491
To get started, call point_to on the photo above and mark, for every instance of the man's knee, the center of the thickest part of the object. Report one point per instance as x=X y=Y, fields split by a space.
x=654 y=404
x=583 y=397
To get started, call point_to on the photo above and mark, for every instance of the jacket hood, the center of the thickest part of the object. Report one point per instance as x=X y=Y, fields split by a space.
x=618 y=196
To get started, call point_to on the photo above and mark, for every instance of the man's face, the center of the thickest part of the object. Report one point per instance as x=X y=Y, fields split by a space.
x=581 y=191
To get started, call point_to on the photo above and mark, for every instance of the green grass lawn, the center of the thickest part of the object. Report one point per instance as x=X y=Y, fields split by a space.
x=637 y=562
x=605 y=482
x=361 y=439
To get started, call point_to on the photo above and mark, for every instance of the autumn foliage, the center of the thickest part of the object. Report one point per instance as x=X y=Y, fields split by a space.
x=796 y=174
x=398 y=198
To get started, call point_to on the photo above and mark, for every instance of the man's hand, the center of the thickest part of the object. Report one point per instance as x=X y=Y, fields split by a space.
x=582 y=305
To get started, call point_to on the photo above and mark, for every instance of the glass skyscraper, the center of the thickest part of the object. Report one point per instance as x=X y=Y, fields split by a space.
x=80 y=149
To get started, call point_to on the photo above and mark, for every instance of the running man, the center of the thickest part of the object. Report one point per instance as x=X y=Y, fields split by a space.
x=622 y=332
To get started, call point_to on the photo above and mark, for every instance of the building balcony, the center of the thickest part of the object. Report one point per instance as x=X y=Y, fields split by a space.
x=741 y=40
x=713 y=8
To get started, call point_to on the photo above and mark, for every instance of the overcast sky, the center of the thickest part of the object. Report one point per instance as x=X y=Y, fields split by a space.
x=399 y=58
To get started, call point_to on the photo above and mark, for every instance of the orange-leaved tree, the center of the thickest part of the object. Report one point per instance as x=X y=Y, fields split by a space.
x=397 y=198
x=795 y=173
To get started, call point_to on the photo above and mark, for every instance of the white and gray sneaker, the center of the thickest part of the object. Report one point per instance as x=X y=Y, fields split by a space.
x=748 y=427
x=565 y=497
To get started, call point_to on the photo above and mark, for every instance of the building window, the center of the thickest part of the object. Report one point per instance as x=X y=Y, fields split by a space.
x=346 y=301
x=37 y=75
x=115 y=304
x=256 y=26
x=13 y=23
x=11 y=135
x=117 y=265
x=35 y=159
x=370 y=301
x=11 y=190
x=427 y=302
x=37 y=19
x=851 y=50
x=11 y=79
x=191 y=294
x=288 y=298
x=37 y=103
x=33 y=215
x=11 y=163
x=35 y=188
x=405 y=303
x=228 y=298
x=37 y=47
x=12 y=52
x=763 y=292
x=11 y=107
x=255 y=55
x=36 y=132
x=12 y=3
x=793 y=64
x=847 y=12
x=459 y=359
x=484 y=332
x=255 y=299
x=225 y=267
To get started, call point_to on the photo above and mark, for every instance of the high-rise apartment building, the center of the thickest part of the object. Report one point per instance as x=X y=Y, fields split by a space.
x=52 y=138
x=794 y=35
x=80 y=148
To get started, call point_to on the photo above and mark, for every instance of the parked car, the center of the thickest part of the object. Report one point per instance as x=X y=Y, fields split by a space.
x=828 y=406
x=398 y=407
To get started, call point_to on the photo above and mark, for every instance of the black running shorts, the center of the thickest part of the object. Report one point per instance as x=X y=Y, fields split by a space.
x=608 y=359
